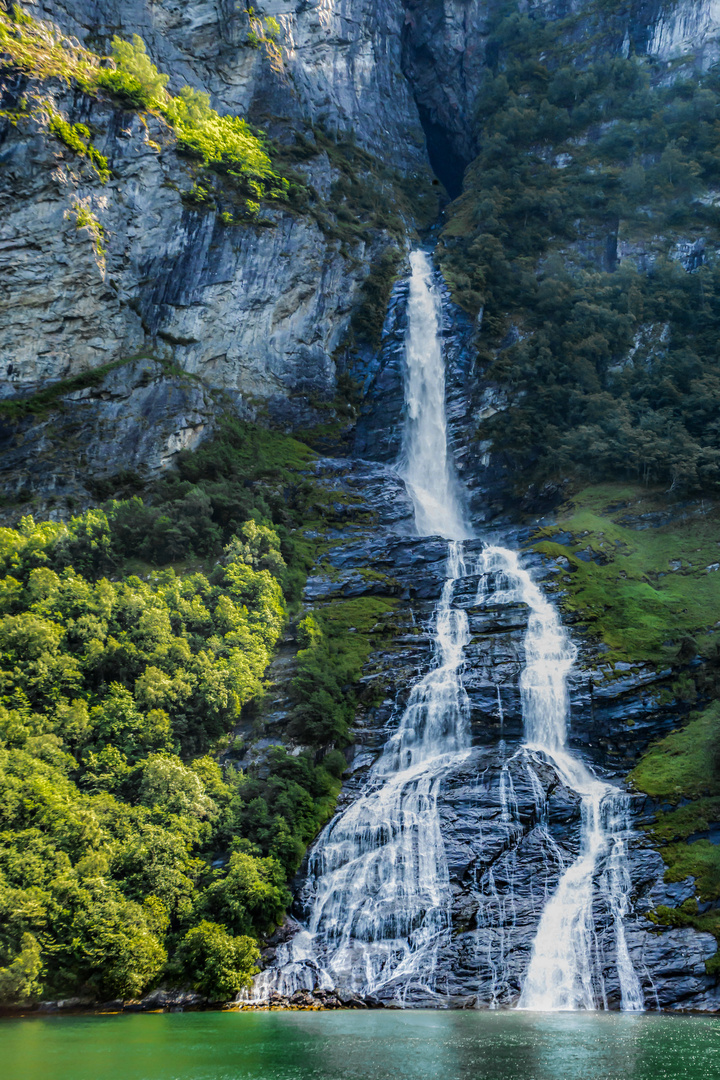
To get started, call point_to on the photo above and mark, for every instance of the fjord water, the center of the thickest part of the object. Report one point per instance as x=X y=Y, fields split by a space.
x=375 y=1045
x=377 y=891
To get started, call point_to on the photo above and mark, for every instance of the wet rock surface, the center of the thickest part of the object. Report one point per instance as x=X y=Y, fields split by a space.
x=502 y=866
x=135 y=420
x=504 y=857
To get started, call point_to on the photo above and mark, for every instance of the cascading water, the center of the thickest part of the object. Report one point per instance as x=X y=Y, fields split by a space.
x=564 y=967
x=378 y=891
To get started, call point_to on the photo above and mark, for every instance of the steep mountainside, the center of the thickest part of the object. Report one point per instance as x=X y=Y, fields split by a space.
x=203 y=252
x=156 y=257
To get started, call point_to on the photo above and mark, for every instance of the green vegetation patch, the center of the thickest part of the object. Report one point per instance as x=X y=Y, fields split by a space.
x=684 y=765
x=111 y=695
x=336 y=641
x=640 y=589
x=131 y=640
x=42 y=402
x=77 y=138
x=683 y=768
x=41 y=50
x=369 y=315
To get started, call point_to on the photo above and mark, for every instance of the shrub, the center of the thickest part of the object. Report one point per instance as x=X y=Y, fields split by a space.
x=215 y=963
x=19 y=981
x=135 y=81
x=77 y=138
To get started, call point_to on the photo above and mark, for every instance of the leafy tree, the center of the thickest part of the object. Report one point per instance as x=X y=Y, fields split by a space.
x=113 y=943
x=216 y=963
x=19 y=981
x=251 y=893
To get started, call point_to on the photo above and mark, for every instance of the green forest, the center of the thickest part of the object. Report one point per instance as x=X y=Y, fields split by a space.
x=134 y=851
x=595 y=173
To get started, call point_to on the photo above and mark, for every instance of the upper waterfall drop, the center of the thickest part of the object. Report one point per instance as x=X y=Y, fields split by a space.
x=426 y=467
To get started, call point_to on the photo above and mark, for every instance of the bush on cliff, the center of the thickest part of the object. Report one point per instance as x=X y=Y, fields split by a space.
x=222 y=143
x=134 y=81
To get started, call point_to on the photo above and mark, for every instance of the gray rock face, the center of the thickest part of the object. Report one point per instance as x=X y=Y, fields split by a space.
x=259 y=310
x=341 y=60
x=443 y=55
x=136 y=420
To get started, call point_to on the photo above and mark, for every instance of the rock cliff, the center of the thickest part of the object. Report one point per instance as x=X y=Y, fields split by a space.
x=259 y=310
x=184 y=312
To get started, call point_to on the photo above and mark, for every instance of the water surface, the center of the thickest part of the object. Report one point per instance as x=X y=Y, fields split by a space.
x=413 y=1045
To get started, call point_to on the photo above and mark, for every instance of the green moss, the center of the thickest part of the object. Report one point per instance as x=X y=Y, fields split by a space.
x=700 y=860
x=331 y=663
x=77 y=138
x=684 y=763
x=684 y=766
x=620 y=579
x=360 y=616
x=86 y=219
x=686 y=915
x=256 y=451
x=682 y=822
x=368 y=317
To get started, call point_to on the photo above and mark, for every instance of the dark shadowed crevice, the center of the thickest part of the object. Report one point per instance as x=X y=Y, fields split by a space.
x=446 y=163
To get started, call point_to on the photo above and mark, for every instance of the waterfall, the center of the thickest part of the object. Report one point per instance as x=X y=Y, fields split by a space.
x=377 y=894
x=426 y=470
x=378 y=890
x=563 y=972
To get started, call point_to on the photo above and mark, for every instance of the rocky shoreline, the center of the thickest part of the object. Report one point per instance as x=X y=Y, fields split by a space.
x=188 y=1001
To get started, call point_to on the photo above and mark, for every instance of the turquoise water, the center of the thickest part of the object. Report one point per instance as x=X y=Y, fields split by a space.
x=361 y=1046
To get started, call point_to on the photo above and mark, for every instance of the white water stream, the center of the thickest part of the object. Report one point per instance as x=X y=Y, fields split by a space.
x=378 y=889
x=426 y=467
